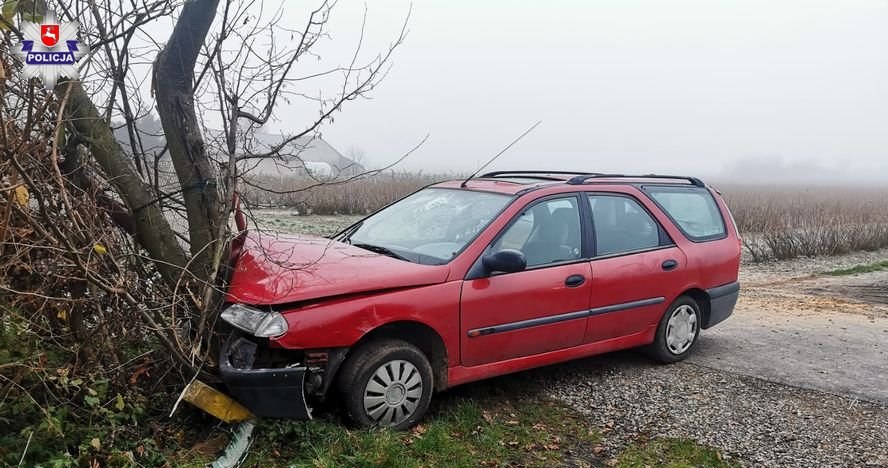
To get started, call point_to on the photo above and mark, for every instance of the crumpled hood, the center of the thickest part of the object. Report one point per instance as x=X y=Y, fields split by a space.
x=277 y=269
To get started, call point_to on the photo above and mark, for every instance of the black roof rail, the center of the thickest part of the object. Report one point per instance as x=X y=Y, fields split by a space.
x=580 y=179
x=535 y=174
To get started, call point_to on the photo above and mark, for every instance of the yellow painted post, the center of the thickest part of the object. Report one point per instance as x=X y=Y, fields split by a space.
x=215 y=403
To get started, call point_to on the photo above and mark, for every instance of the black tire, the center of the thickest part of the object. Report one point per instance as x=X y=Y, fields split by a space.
x=362 y=365
x=660 y=349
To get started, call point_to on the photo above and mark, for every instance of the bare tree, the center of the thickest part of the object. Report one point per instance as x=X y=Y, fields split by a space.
x=222 y=59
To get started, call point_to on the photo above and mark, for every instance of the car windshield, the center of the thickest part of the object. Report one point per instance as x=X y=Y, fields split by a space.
x=431 y=226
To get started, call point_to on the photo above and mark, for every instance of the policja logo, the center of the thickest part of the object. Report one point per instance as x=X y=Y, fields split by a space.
x=50 y=50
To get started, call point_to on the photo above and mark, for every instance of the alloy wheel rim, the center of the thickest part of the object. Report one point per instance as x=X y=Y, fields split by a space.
x=393 y=393
x=681 y=329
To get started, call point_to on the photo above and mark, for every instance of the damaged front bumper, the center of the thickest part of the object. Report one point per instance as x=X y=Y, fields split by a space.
x=267 y=392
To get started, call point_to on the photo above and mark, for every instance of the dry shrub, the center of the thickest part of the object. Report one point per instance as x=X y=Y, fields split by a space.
x=78 y=360
x=787 y=222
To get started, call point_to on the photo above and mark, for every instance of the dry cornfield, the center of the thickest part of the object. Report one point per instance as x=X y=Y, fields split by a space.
x=776 y=222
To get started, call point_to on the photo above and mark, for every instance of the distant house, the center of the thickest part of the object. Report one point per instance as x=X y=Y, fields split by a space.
x=309 y=154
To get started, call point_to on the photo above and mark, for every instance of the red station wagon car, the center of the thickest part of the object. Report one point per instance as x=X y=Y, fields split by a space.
x=465 y=280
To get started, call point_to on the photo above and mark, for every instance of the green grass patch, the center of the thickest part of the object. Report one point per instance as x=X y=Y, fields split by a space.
x=673 y=453
x=459 y=432
x=868 y=268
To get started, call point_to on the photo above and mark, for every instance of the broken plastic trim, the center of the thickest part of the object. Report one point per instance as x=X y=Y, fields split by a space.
x=236 y=451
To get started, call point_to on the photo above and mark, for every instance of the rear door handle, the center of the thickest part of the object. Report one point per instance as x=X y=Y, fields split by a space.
x=573 y=281
x=669 y=265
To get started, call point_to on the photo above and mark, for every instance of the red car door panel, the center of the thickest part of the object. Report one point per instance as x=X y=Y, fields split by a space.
x=631 y=292
x=519 y=314
x=636 y=267
x=540 y=309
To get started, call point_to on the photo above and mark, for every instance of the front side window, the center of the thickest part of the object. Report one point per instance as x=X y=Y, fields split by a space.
x=621 y=225
x=693 y=209
x=431 y=226
x=547 y=232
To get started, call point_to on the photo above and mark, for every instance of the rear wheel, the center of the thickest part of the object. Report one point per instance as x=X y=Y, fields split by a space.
x=386 y=383
x=677 y=331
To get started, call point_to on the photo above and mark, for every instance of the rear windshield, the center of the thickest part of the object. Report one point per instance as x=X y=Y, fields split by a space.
x=691 y=208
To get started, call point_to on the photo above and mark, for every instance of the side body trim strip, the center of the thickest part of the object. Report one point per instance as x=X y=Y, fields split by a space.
x=626 y=305
x=535 y=322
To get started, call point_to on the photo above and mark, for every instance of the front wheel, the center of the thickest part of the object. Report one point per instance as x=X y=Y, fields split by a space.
x=677 y=331
x=387 y=384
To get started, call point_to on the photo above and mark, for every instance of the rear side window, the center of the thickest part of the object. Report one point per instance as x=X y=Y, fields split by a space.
x=691 y=208
x=622 y=225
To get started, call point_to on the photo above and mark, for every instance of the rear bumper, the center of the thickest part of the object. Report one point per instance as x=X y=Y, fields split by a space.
x=722 y=300
x=271 y=393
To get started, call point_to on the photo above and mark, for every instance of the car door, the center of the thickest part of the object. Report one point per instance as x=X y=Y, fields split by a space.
x=636 y=268
x=540 y=309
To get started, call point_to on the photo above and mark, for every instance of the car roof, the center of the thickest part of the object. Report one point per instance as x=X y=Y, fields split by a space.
x=513 y=182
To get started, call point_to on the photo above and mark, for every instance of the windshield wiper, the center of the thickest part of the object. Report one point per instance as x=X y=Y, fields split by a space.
x=346 y=235
x=381 y=250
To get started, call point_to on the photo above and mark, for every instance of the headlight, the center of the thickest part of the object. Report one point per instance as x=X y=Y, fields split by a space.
x=254 y=321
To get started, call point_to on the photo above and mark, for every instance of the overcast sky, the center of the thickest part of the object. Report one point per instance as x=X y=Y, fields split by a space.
x=621 y=85
x=740 y=87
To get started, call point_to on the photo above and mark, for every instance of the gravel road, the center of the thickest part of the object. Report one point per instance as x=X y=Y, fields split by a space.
x=758 y=422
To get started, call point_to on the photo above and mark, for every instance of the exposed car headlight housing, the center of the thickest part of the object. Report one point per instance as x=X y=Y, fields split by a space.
x=254 y=321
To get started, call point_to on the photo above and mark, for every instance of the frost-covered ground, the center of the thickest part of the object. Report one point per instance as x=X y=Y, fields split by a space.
x=289 y=221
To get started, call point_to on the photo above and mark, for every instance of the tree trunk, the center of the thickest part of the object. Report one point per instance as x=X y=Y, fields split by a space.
x=152 y=230
x=174 y=86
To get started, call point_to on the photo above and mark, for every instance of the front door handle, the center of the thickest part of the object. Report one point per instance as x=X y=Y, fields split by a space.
x=573 y=281
x=669 y=265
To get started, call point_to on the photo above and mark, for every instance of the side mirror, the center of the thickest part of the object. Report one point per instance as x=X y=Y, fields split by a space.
x=506 y=260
